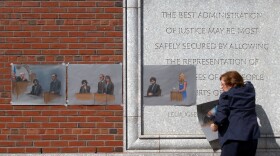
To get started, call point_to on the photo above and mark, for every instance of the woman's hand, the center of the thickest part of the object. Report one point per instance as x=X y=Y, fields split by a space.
x=214 y=127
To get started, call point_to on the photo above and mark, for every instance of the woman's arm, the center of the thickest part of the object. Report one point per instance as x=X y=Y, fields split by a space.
x=222 y=113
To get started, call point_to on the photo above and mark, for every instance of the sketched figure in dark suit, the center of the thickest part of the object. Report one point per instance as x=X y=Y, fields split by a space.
x=109 y=86
x=36 y=88
x=84 y=88
x=55 y=85
x=21 y=77
x=154 y=88
x=101 y=84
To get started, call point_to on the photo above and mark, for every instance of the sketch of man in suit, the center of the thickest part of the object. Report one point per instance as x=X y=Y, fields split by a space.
x=21 y=77
x=36 y=88
x=154 y=88
x=55 y=85
x=101 y=84
x=84 y=88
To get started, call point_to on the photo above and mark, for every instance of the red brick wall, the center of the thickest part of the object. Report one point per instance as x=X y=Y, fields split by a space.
x=52 y=32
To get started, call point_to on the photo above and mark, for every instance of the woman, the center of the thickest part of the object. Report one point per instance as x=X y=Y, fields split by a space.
x=109 y=86
x=84 y=88
x=183 y=86
x=236 y=119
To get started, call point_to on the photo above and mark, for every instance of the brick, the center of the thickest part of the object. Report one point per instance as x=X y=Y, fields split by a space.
x=114 y=119
x=40 y=46
x=68 y=137
x=31 y=113
x=105 y=149
x=33 y=131
x=50 y=28
x=14 y=131
x=22 y=119
x=41 y=58
x=32 y=40
x=118 y=4
x=69 y=150
x=33 y=150
x=40 y=34
x=31 y=16
x=104 y=137
x=13 y=4
x=58 y=119
x=68 y=40
x=87 y=125
x=30 y=4
x=50 y=137
x=24 y=143
x=105 y=4
x=7 y=143
x=32 y=125
x=113 y=10
x=50 y=40
x=40 y=119
x=58 y=34
x=87 y=150
x=16 y=150
x=58 y=46
x=14 y=125
x=87 y=52
x=95 y=119
x=104 y=125
x=6 y=119
x=49 y=16
x=114 y=143
x=68 y=4
x=118 y=137
x=59 y=143
x=77 y=143
x=50 y=125
x=113 y=131
x=49 y=4
x=68 y=125
x=15 y=137
x=76 y=119
x=40 y=10
x=41 y=143
x=86 y=4
x=50 y=150
x=3 y=150
x=105 y=52
x=86 y=137
x=105 y=113
x=86 y=16
x=69 y=52
x=51 y=131
x=104 y=16
x=96 y=143
x=13 y=28
x=95 y=46
x=78 y=58
x=59 y=58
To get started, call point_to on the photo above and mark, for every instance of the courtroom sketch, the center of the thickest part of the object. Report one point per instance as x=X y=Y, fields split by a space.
x=101 y=84
x=169 y=85
x=38 y=84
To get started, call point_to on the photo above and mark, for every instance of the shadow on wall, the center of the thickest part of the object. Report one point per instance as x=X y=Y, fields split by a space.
x=267 y=140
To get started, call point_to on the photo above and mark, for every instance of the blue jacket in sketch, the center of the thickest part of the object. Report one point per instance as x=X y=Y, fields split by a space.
x=236 y=116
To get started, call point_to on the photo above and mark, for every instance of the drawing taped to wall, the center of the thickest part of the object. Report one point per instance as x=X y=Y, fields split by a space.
x=38 y=84
x=94 y=84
